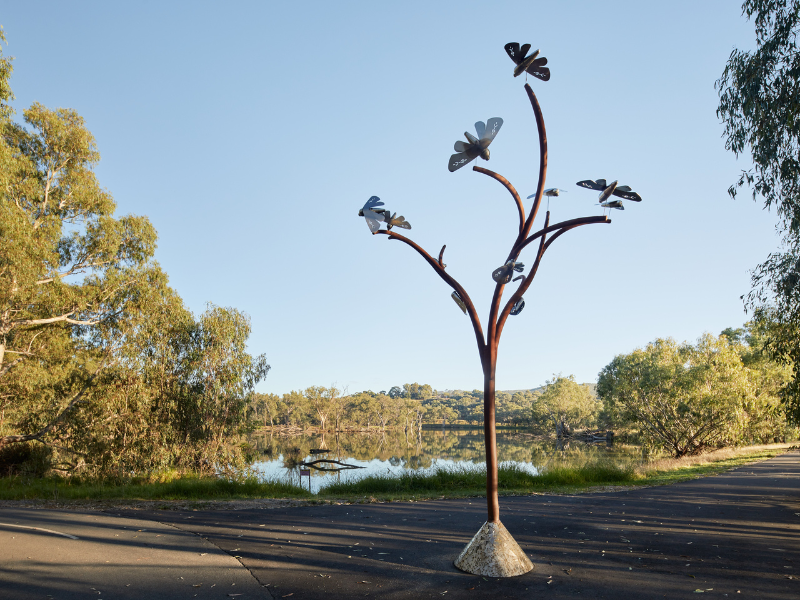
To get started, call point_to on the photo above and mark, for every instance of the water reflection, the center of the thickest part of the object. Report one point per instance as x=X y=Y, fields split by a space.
x=396 y=451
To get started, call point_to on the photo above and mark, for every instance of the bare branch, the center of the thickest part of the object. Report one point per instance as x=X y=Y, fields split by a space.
x=537 y=202
x=515 y=252
x=523 y=287
x=62 y=318
x=473 y=314
x=512 y=191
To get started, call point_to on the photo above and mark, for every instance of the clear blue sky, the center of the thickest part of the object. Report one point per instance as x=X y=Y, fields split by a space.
x=250 y=133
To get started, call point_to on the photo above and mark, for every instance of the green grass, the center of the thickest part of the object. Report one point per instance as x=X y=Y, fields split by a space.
x=187 y=487
x=574 y=475
x=471 y=481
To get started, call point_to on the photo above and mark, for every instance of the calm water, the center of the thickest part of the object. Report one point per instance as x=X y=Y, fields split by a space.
x=395 y=451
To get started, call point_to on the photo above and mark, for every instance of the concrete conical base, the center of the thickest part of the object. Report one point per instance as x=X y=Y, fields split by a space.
x=494 y=553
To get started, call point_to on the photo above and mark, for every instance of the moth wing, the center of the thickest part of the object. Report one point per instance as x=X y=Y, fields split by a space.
x=457 y=299
x=512 y=49
x=628 y=195
x=373 y=220
x=480 y=128
x=401 y=222
x=502 y=274
x=460 y=146
x=613 y=204
x=542 y=73
x=372 y=203
x=592 y=185
x=623 y=188
x=518 y=306
x=459 y=160
x=493 y=125
x=523 y=51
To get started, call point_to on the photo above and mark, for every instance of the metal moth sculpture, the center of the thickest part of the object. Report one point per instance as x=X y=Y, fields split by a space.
x=374 y=215
x=395 y=221
x=475 y=146
x=610 y=189
x=503 y=274
x=527 y=64
x=457 y=299
x=493 y=551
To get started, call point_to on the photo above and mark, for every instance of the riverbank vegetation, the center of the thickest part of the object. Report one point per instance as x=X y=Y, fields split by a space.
x=564 y=475
x=682 y=398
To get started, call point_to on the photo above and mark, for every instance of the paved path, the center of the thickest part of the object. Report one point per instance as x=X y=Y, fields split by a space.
x=732 y=535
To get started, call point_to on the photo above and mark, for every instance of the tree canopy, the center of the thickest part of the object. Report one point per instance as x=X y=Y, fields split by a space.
x=565 y=405
x=760 y=107
x=101 y=364
x=689 y=398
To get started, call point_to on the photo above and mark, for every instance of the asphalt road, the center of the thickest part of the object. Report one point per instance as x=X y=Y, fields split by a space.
x=732 y=535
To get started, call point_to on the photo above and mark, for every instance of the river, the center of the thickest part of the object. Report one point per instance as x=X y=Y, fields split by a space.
x=395 y=451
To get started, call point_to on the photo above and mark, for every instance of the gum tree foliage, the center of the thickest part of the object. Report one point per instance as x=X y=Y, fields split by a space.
x=690 y=398
x=100 y=361
x=325 y=405
x=564 y=406
x=66 y=265
x=760 y=107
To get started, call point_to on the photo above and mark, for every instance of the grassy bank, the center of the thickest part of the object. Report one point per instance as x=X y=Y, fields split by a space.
x=563 y=477
x=568 y=476
x=471 y=481
x=187 y=487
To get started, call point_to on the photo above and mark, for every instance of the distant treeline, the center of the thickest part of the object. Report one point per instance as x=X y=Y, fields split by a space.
x=679 y=397
x=412 y=405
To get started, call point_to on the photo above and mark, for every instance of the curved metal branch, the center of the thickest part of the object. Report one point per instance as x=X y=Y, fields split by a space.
x=537 y=111
x=441 y=254
x=511 y=189
x=562 y=225
x=523 y=287
x=562 y=228
x=473 y=314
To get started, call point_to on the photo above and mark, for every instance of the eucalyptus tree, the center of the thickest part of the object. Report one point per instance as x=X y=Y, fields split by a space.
x=760 y=109
x=565 y=405
x=99 y=358
x=67 y=266
x=690 y=398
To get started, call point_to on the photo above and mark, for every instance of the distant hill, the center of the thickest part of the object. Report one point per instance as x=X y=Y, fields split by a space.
x=592 y=386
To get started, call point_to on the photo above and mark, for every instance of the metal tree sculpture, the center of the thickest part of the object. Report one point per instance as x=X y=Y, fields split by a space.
x=493 y=551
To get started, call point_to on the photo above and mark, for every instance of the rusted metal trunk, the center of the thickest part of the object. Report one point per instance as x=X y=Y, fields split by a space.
x=492 y=501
